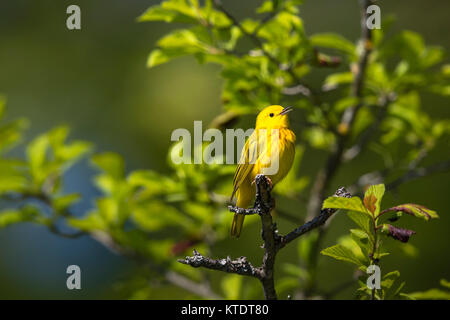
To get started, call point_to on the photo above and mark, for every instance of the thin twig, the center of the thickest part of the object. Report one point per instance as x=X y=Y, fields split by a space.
x=172 y=277
x=376 y=177
x=316 y=222
x=334 y=160
x=265 y=20
x=53 y=229
x=415 y=173
x=200 y=289
x=366 y=136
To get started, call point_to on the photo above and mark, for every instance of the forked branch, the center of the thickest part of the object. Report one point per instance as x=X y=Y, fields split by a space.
x=272 y=241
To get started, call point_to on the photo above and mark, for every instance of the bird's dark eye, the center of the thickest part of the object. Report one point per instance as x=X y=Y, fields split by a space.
x=271 y=115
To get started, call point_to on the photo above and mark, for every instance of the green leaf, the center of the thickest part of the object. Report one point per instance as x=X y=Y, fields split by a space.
x=363 y=240
x=319 y=138
x=13 y=176
x=37 y=155
x=378 y=77
x=432 y=294
x=372 y=198
x=91 y=222
x=36 y=152
x=151 y=184
x=200 y=211
x=266 y=6
x=106 y=183
x=49 y=156
x=11 y=133
x=60 y=203
x=336 y=79
x=348 y=241
x=353 y=203
x=3 y=103
x=57 y=136
x=342 y=253
x=176 y=44
x=334 y=41
x=182 y=11
x=159 y=56
x=71 y=152
x=12 y=216
x=110 y=163
x=183 y=40
x=411 y=47
x=149 y=217
x=409 y=250
x=345 y=103
x=109 y=210
x=406 y=296
x=389 y=279
x=396 y=292
x=170 y=11
x=363 y=221
x=445 y=283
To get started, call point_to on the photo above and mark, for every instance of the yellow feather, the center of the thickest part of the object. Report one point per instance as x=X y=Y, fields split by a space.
x=262 y=146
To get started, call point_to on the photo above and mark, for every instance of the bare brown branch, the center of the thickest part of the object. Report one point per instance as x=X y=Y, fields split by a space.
x=239 y=266
x=272 y=241
x=314 y=223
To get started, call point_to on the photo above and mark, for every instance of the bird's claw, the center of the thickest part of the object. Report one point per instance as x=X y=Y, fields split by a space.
x=268 y=180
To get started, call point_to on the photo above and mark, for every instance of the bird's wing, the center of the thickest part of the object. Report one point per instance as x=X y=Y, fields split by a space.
x=246 y=162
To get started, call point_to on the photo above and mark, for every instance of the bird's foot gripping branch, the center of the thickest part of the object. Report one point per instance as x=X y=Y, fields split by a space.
x=273 y=242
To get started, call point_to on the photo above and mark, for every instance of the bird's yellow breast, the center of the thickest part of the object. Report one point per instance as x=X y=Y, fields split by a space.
x=277 y=153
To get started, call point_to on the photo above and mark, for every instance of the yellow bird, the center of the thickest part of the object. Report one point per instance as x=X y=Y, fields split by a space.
x=270 y=151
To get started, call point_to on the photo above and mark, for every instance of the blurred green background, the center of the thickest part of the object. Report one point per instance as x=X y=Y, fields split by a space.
x=95 y=80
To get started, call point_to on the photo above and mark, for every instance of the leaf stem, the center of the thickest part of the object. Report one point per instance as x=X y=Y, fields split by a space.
x=374 y=261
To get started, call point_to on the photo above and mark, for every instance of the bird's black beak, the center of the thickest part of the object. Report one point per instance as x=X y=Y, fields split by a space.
x=286 y=111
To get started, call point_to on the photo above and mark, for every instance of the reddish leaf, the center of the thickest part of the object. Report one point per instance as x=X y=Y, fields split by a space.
x=400 y=234
x=372 y=198
x=181 y=246
x=370 y=203
x=415 y=210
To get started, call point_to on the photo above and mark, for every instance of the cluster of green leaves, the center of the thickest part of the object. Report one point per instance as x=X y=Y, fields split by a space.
x=252 y=79
x=263 y=59
x=363 y=247
x=145 y=214
x=405 y=67
x=180 y=204
x=38 y=176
